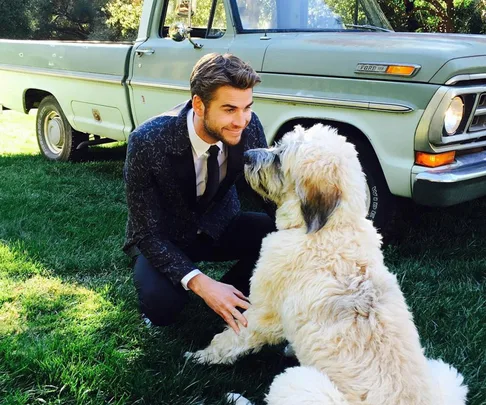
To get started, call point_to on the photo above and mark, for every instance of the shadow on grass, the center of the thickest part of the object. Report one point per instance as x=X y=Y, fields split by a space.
x=81 y=340
x=104 y=154
x=441 y=235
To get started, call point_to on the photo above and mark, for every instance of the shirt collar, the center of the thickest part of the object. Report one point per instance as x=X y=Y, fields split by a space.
x=199 y=146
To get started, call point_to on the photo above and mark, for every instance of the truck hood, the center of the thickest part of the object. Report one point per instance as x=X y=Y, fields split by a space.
x=338 y=53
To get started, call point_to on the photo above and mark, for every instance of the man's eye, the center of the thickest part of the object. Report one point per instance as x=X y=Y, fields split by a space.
x=231 y=110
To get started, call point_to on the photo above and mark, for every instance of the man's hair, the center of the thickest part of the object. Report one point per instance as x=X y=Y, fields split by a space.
x=213 y=71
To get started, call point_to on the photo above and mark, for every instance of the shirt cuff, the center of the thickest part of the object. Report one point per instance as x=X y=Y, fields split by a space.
x=188 y=277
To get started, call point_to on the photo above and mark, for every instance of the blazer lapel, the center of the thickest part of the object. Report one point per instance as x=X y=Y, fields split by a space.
x=181 y=157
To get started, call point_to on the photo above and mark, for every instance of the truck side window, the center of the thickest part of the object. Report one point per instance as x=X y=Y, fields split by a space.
x=208 y=18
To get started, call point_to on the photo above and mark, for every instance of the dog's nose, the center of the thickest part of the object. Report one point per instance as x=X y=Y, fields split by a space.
x=247 y=157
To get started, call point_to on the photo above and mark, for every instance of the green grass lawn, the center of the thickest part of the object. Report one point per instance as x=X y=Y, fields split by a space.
x=70 y=332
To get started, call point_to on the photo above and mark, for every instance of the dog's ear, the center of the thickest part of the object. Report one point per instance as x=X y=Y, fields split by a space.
x=317 y=204
x=318 y=198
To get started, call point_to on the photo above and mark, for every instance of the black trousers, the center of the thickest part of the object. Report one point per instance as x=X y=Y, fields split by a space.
x=161 y=301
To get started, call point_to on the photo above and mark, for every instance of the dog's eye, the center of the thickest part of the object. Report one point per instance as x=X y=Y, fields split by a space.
x=276 y=160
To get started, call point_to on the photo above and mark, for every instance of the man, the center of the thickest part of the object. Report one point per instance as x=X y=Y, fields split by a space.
x=183 y=206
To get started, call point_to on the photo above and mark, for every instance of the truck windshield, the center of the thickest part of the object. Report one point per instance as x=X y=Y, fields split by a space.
x=309 y=15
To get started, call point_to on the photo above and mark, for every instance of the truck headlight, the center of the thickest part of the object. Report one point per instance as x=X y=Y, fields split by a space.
x=453 y=115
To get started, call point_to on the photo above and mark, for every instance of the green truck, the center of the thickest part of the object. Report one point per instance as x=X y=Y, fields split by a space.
x=413 y=104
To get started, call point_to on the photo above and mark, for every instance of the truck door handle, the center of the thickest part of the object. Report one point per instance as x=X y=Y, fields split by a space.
x=141 y=52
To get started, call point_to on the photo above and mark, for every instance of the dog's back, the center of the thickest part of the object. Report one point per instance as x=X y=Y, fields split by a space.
x=346 y=316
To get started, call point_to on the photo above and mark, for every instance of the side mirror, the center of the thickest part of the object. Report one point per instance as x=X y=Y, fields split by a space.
x=179 y=32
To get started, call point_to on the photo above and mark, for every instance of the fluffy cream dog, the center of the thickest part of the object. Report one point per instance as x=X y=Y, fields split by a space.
x=321 y=284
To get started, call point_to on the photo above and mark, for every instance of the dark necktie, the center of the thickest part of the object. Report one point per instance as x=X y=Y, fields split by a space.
x=213 y=176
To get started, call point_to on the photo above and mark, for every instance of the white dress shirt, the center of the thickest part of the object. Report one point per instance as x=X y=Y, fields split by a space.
x=200 y=155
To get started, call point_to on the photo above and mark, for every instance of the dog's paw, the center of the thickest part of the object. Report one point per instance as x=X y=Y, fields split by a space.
x=208 y=356
x=237 y=399
x=201 y=357
x=188 y=355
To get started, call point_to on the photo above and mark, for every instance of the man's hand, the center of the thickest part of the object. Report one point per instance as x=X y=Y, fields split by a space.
x=221 y=298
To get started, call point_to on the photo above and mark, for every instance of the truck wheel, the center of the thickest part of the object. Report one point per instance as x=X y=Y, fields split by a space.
x=379 y=200
x=56 y=138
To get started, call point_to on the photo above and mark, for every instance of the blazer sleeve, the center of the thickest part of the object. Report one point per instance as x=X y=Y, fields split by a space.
x=146 y=214
x=257 y=137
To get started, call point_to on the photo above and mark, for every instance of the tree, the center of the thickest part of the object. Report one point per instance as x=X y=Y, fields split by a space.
x=70 y=19
x=470 y=17
x=124 y=17
x=439 y=14
x=466 y=16
x=61 y=19
x=14 y=19
x=448 y=15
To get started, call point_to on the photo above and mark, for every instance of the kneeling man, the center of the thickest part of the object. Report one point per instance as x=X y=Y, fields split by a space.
x=183 y=206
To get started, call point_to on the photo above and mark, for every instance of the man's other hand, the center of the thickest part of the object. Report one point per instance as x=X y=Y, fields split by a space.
x=224 y=299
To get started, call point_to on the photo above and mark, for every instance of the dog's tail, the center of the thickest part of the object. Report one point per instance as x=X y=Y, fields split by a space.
x=448 y=383
x=304 y=385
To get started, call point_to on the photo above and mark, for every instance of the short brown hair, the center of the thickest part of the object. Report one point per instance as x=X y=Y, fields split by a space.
x=213 y=71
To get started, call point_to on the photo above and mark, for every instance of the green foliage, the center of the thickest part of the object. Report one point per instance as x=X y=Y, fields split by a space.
x=199 y=18
x=124 y=16
x=14 y=19
x=465 y=16
x=346 y=10
x=70 y=19
x=469 y=17
x=394 y=11
x=63 y=19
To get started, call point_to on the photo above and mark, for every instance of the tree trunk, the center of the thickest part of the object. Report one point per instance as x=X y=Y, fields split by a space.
x=412 y=23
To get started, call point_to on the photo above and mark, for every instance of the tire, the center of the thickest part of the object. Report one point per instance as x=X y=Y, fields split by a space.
x=381 y=203
x=56 y=138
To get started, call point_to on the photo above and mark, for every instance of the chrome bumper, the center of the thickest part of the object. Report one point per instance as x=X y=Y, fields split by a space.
x=461 y=181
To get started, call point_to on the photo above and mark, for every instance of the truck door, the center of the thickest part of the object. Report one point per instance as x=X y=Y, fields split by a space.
x=161 y=67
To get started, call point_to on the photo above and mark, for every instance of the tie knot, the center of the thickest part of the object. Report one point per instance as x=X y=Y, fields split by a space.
x=213 y=150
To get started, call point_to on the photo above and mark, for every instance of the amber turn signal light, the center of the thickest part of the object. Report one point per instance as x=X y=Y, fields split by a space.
x=400 y=70
x=434 y=160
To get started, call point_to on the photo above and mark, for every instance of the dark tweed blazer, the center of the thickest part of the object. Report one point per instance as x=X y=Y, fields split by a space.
x=163 y=212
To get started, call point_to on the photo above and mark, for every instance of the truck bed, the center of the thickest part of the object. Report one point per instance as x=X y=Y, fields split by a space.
x=98 y=106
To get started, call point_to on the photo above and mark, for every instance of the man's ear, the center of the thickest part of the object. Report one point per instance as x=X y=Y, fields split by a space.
x=198 y=105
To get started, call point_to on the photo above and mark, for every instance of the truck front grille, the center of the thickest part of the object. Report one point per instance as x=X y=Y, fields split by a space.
x=478 y=122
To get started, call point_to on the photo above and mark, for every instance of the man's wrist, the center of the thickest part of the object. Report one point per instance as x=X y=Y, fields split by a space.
x=196 y=284
x=188 y=277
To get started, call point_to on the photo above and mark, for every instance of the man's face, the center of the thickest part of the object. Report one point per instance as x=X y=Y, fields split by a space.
x=227 y=115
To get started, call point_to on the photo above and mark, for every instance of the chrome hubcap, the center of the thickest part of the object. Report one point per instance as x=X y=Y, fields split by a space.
x=54 y=132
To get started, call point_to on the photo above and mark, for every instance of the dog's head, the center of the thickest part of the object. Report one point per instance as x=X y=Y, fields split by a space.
x=316 y=166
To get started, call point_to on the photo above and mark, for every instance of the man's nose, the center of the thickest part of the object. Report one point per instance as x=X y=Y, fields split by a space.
x=240 y=119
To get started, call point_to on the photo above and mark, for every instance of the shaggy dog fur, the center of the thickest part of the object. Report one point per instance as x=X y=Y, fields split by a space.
x=321 y=284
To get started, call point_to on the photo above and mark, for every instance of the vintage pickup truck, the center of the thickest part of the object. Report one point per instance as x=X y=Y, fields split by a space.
x=413 y=104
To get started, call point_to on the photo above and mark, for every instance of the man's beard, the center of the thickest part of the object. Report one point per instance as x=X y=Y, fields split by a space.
x=216 y=133
x=212 y=132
